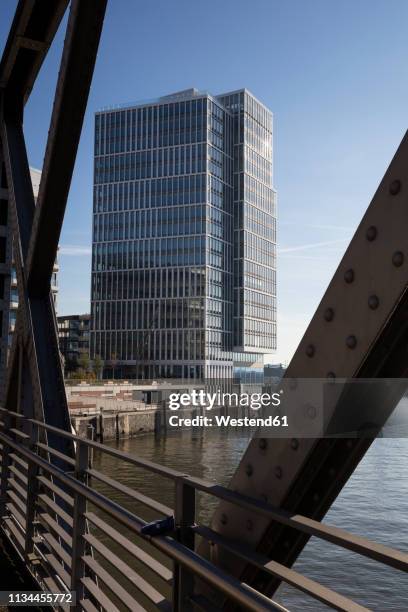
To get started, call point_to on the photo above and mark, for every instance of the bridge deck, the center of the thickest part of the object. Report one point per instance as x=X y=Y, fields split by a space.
x=13 y=574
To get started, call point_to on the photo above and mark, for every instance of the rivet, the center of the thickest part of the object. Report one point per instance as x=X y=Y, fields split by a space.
x=316 y=497
x=224 y=519
x=373 y=302
x=349 y=275
x=351 y=342
x=371 y=233
x=395 y=187
x=310 y=350
x=294 y=443
x=249 y=470
x=329 y=314
x=263 y=443
x=311 y=411
x=249 y=525
x=292 y=383
x=398 y=259
x=278 y=471
x=331 y=376
x=332 y=472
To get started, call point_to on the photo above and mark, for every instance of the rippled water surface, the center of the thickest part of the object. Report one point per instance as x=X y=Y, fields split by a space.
x=374 y=504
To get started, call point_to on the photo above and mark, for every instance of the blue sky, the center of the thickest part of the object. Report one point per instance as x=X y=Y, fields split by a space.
x=334 y=75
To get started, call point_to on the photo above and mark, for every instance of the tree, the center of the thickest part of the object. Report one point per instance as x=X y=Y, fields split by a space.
x=98 y=366
x=84 y=362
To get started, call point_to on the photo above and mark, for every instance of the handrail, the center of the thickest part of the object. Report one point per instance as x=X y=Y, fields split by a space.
x=335 y=535
x=143 y=463
x=290 y=576
x=229 y=586
x=74 y=486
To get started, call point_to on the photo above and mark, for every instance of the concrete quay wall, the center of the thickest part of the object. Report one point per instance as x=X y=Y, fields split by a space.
x=115 y=425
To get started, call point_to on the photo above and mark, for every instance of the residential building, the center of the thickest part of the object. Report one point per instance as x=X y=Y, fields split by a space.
x=8 y=277
x=184 y=234
x=73 y=337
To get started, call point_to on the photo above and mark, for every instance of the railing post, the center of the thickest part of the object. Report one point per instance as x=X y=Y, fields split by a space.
x=90 y=434
x=79 y=523
x=5 y=463
x=184 y=514
x=32 y=491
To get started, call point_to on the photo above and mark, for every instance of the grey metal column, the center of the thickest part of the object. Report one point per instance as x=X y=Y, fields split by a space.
x=183 y=579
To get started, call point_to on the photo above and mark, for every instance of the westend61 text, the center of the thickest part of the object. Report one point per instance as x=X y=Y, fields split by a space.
x=228 y=421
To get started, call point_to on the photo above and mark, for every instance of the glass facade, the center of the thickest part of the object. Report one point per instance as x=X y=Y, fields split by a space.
x=183 y=266
x=254 y=225
x=73 y=338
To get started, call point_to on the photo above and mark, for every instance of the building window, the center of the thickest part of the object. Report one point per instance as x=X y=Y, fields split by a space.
x=3 y=212
x=3 y=182
x=2 y=249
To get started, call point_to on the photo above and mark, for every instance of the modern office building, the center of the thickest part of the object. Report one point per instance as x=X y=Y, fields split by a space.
x=184 y=234
x=8 y=278
x=73 y=338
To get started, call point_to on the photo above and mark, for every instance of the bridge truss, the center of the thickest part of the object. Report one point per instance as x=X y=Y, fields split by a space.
x=283 y=487
x=359 y=333
x=35 y=384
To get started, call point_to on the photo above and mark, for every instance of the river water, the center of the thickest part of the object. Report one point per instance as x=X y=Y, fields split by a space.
x=374 y=503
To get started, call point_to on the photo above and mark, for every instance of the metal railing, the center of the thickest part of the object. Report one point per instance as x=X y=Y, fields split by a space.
x=64 y=530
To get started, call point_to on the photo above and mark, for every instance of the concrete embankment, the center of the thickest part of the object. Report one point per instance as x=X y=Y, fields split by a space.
x=114 y=425
x=110 y=411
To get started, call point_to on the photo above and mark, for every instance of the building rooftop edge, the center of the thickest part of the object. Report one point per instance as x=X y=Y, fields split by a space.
x=247 y=91
x=184 y=94
x=70 y=316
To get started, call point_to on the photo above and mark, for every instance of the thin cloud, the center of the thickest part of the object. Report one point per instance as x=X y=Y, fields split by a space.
x=74 y=250
x=332 y=252
x=342 y=228
x=318 y=226
x=307 y=247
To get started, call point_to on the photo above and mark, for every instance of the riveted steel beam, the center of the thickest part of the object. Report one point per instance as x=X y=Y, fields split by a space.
x=35 y=337
x=77 y=65
x=35 y=383
x=360 y=330
x=33 y=29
